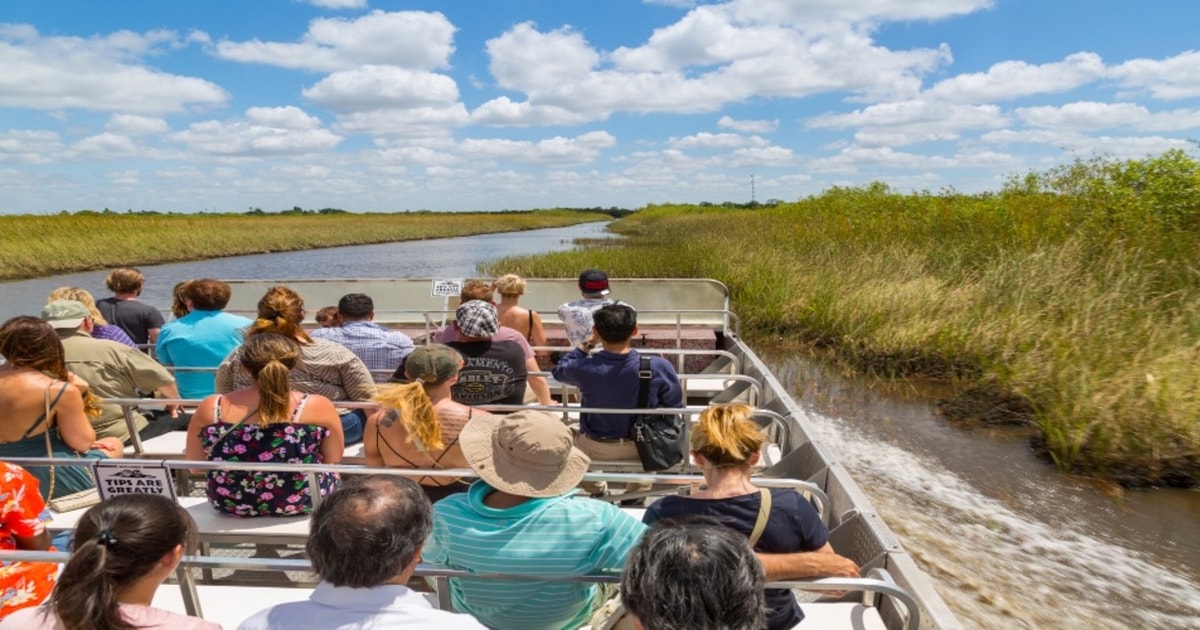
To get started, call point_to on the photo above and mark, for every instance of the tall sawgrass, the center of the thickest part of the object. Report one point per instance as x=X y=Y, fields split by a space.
x=41 y=245
x=1068 y=299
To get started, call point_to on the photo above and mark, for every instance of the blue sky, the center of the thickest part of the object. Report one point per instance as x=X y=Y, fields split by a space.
x=369 y=105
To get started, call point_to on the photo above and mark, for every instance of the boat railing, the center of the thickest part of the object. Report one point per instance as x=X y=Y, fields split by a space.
x=873 y=587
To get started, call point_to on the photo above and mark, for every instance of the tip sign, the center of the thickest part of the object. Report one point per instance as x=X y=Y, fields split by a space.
x=447 y=288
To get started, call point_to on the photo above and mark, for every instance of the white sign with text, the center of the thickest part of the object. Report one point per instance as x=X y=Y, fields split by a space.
x=123 y=476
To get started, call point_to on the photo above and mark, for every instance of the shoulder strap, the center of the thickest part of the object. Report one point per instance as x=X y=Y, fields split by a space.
x=45 y=417
x=299 y=410
x=764 y=512
x=644 y=375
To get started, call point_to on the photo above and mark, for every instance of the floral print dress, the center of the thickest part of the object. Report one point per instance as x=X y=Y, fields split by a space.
x=254 y=493
x=22 y=513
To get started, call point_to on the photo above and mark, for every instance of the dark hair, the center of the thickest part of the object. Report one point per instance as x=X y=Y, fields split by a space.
x=179 y=297
x=615 y=322
x=367 y=531
x=208 y=294
x=326 y=315
x=117 y=542
x=29 y=342
x=355 y=306
x=124 y=280
x=270 y=358
x=694 y=575
x=280 y=311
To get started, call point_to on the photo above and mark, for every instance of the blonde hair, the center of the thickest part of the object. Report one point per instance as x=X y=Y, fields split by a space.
x=83 y=297
x=510 y=284
x=270 y=358
x=726 y=436
x=124 y=280
x=280 y=311
x=416 y=410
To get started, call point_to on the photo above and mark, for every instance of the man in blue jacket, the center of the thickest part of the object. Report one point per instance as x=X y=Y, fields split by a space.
x=608 y=378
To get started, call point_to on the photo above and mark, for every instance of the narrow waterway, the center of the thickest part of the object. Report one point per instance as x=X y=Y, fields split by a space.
x=1009 y=542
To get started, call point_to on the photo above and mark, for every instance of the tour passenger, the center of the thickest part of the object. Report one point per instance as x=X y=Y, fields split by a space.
x=609 y=378
x=364 y=542
x=326 y=368
x=140 y=321
x=124 y=549
x=37 y=394
x=792 y=542
x=522 y=517
x=23 y=517
x=495 y=371
x=327 y=317
x=525 y=321
x=381 y=349
x=101 y=329
x=576 y=316
x=179 y=306
x=419 y=424
x=266 y=422
x=202 y=337
x=114 y=370
x=694 y=576
x=482 y=290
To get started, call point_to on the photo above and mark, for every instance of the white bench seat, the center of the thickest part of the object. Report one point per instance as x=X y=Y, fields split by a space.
x=216 y=527
x=172 y=446
x=841 y=616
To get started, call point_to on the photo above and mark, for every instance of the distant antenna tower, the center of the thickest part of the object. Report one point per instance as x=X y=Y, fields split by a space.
x=752 y=194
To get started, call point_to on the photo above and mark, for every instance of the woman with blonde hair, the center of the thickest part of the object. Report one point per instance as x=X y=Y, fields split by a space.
x=525 y=321
x=101 y=328
x=274 y=424
x=725 y=445
x=418 y=424
x=327 y=367
x=45 y=409
x=124 y=549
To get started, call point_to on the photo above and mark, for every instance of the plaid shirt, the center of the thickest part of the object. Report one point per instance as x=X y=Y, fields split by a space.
x=382 y=350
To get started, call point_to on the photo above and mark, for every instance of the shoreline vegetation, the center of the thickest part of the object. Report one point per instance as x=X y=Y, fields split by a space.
x=1068 y=301
x=41 y=245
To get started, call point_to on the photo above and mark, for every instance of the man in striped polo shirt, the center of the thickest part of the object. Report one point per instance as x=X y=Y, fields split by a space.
x=522 y=517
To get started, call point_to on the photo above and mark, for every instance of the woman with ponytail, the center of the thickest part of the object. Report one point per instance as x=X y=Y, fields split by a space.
x=328 y=368
x=266 y=422
x=785 y=531
x=418 y=424
x=124 y=548
x=34 y=380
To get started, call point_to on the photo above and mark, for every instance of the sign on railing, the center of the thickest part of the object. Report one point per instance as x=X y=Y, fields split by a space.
x=139 y=476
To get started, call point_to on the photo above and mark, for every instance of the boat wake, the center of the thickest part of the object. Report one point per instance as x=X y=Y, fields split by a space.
x=997 y=567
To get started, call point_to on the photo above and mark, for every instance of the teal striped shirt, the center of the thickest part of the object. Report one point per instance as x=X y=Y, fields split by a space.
x=555 y=537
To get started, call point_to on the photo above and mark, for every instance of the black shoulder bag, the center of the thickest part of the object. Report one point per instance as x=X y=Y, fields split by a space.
x=659 y=438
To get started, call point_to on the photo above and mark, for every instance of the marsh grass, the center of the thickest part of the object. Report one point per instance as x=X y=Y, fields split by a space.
x=1068 y=300
x=40 y=245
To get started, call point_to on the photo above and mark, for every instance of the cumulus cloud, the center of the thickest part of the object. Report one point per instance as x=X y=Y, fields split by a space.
x=705 y=140
x=558 y=151
x=134 y=125
x=382 y=87
x=911 y=122
x=1013 y=79
x=102 y=73
x=416 y=40
x=1169 y=79
x=413 y=121
x=748 y=126
x=105 y=146
x=29 y=146
x=1091 y=115
x=264 y=131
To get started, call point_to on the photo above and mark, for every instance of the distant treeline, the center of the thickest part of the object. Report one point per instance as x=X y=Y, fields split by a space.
x=612 y=211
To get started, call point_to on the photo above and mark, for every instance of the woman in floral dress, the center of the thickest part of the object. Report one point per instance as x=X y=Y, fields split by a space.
x=266 y=422
x=23 y=517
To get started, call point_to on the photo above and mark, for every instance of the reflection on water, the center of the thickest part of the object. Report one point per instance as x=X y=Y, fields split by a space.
x=432 y=258
x=1008 y=541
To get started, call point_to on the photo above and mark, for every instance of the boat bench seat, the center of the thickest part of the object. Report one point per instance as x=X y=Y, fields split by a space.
x=172 y=445
x=841 y=616
x=214 y=527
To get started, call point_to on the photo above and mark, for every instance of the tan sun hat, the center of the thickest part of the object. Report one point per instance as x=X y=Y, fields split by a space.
x=528 y=453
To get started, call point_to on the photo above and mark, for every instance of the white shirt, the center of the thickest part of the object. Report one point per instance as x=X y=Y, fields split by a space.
x=381 y=607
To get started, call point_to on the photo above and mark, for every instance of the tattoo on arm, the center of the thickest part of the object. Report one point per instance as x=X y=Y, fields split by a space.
x=390 y=418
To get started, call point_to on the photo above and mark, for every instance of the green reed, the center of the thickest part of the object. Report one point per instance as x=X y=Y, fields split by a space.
x=41 y=245
x=1067 y=300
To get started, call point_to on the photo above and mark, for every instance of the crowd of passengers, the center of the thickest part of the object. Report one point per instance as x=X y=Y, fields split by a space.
x=271 y=399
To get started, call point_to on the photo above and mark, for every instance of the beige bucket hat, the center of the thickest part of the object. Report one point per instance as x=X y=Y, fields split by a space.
x=528 y=453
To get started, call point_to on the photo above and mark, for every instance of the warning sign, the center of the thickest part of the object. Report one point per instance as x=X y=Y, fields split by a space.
x=116 y=476
x=447 y=288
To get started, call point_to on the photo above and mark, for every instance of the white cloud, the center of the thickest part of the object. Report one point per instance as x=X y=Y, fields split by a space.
x=105 y=146
x=30 y=147
x=1090 y=115
x=762 y=157
x=911 y=122
x=338 y=4
x=705 y=140
x=413 y=121
x=556 y=152
x=382 y=87
x=412 y=39
x=749 y=126
x=134 y=125
x=504 y=112
x=96 y=73
x=1013 y=79
x=265 y=131
x=1169 y=79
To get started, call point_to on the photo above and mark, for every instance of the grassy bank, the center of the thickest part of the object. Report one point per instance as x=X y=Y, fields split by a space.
x=42 y=245
x=1069 y=299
